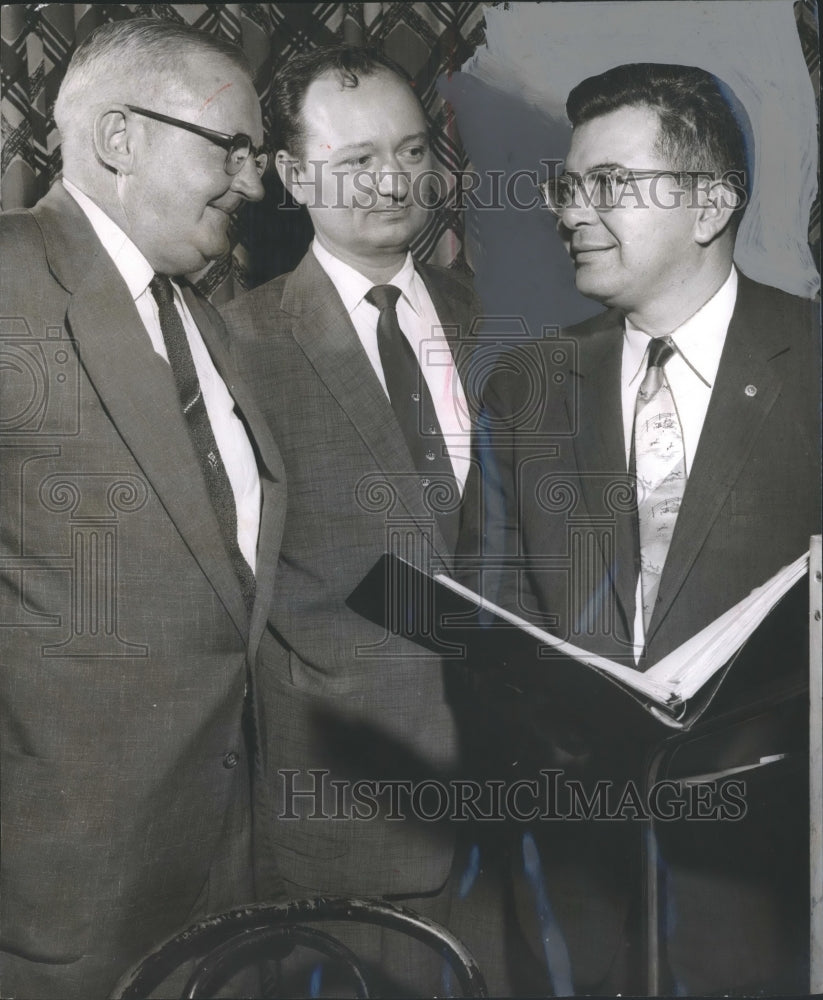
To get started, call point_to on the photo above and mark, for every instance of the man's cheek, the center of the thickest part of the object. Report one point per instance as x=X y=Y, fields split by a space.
x=364 y=186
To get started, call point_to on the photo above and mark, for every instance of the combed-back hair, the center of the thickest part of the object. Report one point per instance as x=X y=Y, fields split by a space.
x=293 y=79
x=703 y=125
x=148 y=46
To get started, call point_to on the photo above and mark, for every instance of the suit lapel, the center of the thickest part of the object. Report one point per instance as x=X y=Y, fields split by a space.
x=136 y=387
x=595 y=412
x=455 y=311
x=453 y=316
x=744 y=393
x=327 y=337
x=269 y=463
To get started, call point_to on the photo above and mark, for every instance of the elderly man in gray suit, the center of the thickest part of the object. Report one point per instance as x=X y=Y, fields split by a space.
x=356 y=357
x=139 y=480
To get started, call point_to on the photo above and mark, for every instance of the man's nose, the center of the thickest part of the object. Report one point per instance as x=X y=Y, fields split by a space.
x=248 y=182
x=580 y=213
x=393 y=182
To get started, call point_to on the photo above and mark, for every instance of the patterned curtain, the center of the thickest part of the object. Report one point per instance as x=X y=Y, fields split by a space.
x=426 y=39
x=808 y=27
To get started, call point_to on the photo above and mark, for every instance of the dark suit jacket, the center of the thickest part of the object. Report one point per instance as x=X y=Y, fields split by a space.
x=556 y=500
x=125 y=779
x=341 y=696
x=556 y=486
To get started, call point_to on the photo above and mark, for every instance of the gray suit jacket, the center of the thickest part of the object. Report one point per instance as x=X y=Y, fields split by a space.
x=125 y=779
x=340 y=697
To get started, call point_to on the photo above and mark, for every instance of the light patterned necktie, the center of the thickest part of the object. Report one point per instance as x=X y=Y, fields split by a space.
x=660 y=465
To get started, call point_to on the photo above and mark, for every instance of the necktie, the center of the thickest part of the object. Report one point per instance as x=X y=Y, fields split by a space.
x=200 y=430
x=661 y=470
x=408 y=392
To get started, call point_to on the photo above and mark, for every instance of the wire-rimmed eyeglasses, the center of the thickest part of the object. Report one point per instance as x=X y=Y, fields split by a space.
x=602 y=188
x=239 y=147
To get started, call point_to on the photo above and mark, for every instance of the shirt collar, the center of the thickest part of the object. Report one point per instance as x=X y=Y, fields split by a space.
x=699 y=341
x=129 y=261
x=352 y=286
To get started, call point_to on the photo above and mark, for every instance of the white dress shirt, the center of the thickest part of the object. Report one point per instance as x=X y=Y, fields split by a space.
x=691 y=373
x=229 y=432
x=422 y=328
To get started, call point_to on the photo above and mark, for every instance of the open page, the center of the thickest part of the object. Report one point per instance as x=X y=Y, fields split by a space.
x=678 y=676
x=687 y=668
x=653 y=688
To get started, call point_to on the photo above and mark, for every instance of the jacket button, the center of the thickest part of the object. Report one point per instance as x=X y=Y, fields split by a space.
x=231 y=759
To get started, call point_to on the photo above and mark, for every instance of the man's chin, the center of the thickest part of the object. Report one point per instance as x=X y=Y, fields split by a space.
x=203 y=258
x=397 y=234
x=592 y=282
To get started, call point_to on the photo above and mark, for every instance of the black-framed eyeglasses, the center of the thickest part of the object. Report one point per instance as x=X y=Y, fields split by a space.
x=602 y=188
x=238 y=147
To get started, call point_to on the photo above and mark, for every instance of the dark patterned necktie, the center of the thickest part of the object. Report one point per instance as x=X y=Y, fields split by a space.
x=200 y=429
x=660 y=464
x=406 y=384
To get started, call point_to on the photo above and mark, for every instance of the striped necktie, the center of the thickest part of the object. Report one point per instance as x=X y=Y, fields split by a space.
x=190 y=394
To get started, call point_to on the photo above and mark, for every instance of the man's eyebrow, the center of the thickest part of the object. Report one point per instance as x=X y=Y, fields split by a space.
x=610 y=165
x=352 y=147
x=414 y=137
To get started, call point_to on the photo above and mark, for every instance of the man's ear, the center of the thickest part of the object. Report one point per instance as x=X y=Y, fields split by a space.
x=716 y=204
x=114 y=139
x=291 y=174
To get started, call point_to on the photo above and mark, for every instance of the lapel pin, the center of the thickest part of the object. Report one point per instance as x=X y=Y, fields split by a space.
x=751 y=390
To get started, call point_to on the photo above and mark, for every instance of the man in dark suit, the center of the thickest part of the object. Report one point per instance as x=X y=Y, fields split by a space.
x=132 y=598
x=721 y=431
x=373 y=465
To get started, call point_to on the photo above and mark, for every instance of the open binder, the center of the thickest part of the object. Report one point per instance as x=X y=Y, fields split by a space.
x=442 y=615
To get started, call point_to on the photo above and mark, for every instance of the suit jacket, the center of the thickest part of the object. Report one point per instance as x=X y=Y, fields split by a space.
x=556 y=501
x=557 y=493
x=342 y=699
x=125 y=778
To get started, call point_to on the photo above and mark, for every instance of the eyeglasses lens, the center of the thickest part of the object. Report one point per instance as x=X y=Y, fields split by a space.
x=599 y=189
x=240 y=151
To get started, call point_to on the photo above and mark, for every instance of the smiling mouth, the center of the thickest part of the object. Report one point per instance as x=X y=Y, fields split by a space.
x=228 y=211
x=582 y=254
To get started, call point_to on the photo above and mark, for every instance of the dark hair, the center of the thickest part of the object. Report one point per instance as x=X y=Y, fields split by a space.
x=294 y=78
x=703 y=125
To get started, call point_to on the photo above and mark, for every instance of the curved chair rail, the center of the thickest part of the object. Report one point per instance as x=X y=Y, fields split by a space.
x=240 y=937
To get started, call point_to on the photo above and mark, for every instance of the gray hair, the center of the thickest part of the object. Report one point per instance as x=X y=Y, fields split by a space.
x=128 y=60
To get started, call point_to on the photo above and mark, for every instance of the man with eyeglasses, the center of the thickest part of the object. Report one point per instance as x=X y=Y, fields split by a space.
x=702 y=385
x=139 y=484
